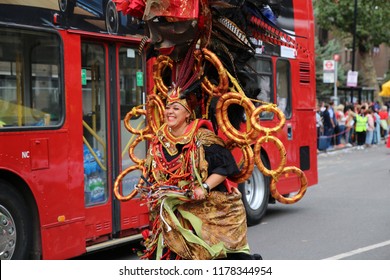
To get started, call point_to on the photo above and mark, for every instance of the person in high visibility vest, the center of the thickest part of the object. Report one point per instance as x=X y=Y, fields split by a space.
x=361 y=126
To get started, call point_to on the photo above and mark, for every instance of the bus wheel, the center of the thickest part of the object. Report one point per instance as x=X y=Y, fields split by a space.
x=112 y=21
x=66 y=6
x=255 y=195
x=15 y=224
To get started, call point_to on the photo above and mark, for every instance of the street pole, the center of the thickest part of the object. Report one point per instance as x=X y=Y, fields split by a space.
x=355 y=13
x=335 y=83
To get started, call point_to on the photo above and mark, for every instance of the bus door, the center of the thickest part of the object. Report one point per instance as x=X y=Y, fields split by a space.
x=106 y=98
x=133 y=216
x=95 y=141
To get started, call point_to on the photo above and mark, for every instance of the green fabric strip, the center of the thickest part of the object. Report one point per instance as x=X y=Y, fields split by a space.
x=170 y=205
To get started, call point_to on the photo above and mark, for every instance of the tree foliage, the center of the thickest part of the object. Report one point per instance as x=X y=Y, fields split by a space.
x=372 y=23
x=372 y=29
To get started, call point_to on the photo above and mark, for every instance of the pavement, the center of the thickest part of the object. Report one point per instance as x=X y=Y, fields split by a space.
x=347 y=146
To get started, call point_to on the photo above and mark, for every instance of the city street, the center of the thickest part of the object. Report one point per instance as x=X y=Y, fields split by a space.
x=347 y=213
x=345 y=216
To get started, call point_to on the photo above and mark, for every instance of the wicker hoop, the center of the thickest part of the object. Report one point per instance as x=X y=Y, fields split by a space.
x=223 y=120
x=138 y=140
x=160 y=65
x=155 y=112
x=289 y=200
x=207 y=86
x=247 y=164
x=267 y=108
x=119 y=179
x=134 y=113
x=282 y=152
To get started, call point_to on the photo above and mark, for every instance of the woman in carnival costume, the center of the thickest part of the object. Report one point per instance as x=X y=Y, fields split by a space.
x=195 y=213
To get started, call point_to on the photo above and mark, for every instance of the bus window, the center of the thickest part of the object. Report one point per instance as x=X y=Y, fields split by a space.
x=283 y=87
x=30 y=83
x=130 y=63
x=263 y=73
x=94 y=123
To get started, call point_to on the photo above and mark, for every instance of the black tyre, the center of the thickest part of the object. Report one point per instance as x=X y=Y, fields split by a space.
x=112 y=18
x=66 y=6
x=255 y=195
x=15 y=223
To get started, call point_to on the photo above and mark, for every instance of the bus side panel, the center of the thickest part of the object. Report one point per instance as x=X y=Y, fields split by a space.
x=307 y=85
x=65 y=237
x=134 y=215
x=61 y=242
x=309 y=134
x=301 y=153
x=304 y=67
x=47 y=183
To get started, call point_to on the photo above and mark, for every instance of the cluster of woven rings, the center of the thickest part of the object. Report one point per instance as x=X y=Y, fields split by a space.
x=201 y=56
x=239 y=139
x=245 y=140
x=154 y=114
x=139 y=165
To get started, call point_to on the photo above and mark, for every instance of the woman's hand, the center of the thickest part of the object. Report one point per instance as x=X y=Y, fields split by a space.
x=199 y=193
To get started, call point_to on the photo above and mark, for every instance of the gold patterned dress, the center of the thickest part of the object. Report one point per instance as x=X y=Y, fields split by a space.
x=184 y=228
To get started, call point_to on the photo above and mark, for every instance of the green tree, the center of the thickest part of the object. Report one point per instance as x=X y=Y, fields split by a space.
x=372 y=28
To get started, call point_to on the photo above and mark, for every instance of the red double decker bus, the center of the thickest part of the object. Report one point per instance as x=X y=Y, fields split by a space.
x=69 y=73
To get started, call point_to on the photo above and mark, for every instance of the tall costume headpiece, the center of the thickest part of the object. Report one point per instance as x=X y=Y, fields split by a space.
x=174 y=97
x=208 y=45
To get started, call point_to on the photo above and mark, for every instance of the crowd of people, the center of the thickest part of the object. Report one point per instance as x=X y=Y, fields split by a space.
x=361 y=125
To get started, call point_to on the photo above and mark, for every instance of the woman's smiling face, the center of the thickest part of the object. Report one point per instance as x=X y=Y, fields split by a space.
x=176 y=116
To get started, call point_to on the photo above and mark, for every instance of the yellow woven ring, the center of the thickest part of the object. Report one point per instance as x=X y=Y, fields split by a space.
x=241 y=138
x=119 y=179
x=290 y=200
x=138 y=140
x=133 y=113
x=211 y=89
x=267 y=108
x=155 y=112
x=282 y=152
x=247 y=165
x=159 y=66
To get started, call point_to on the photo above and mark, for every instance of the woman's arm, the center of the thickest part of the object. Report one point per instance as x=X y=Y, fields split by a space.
x=212 y=181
